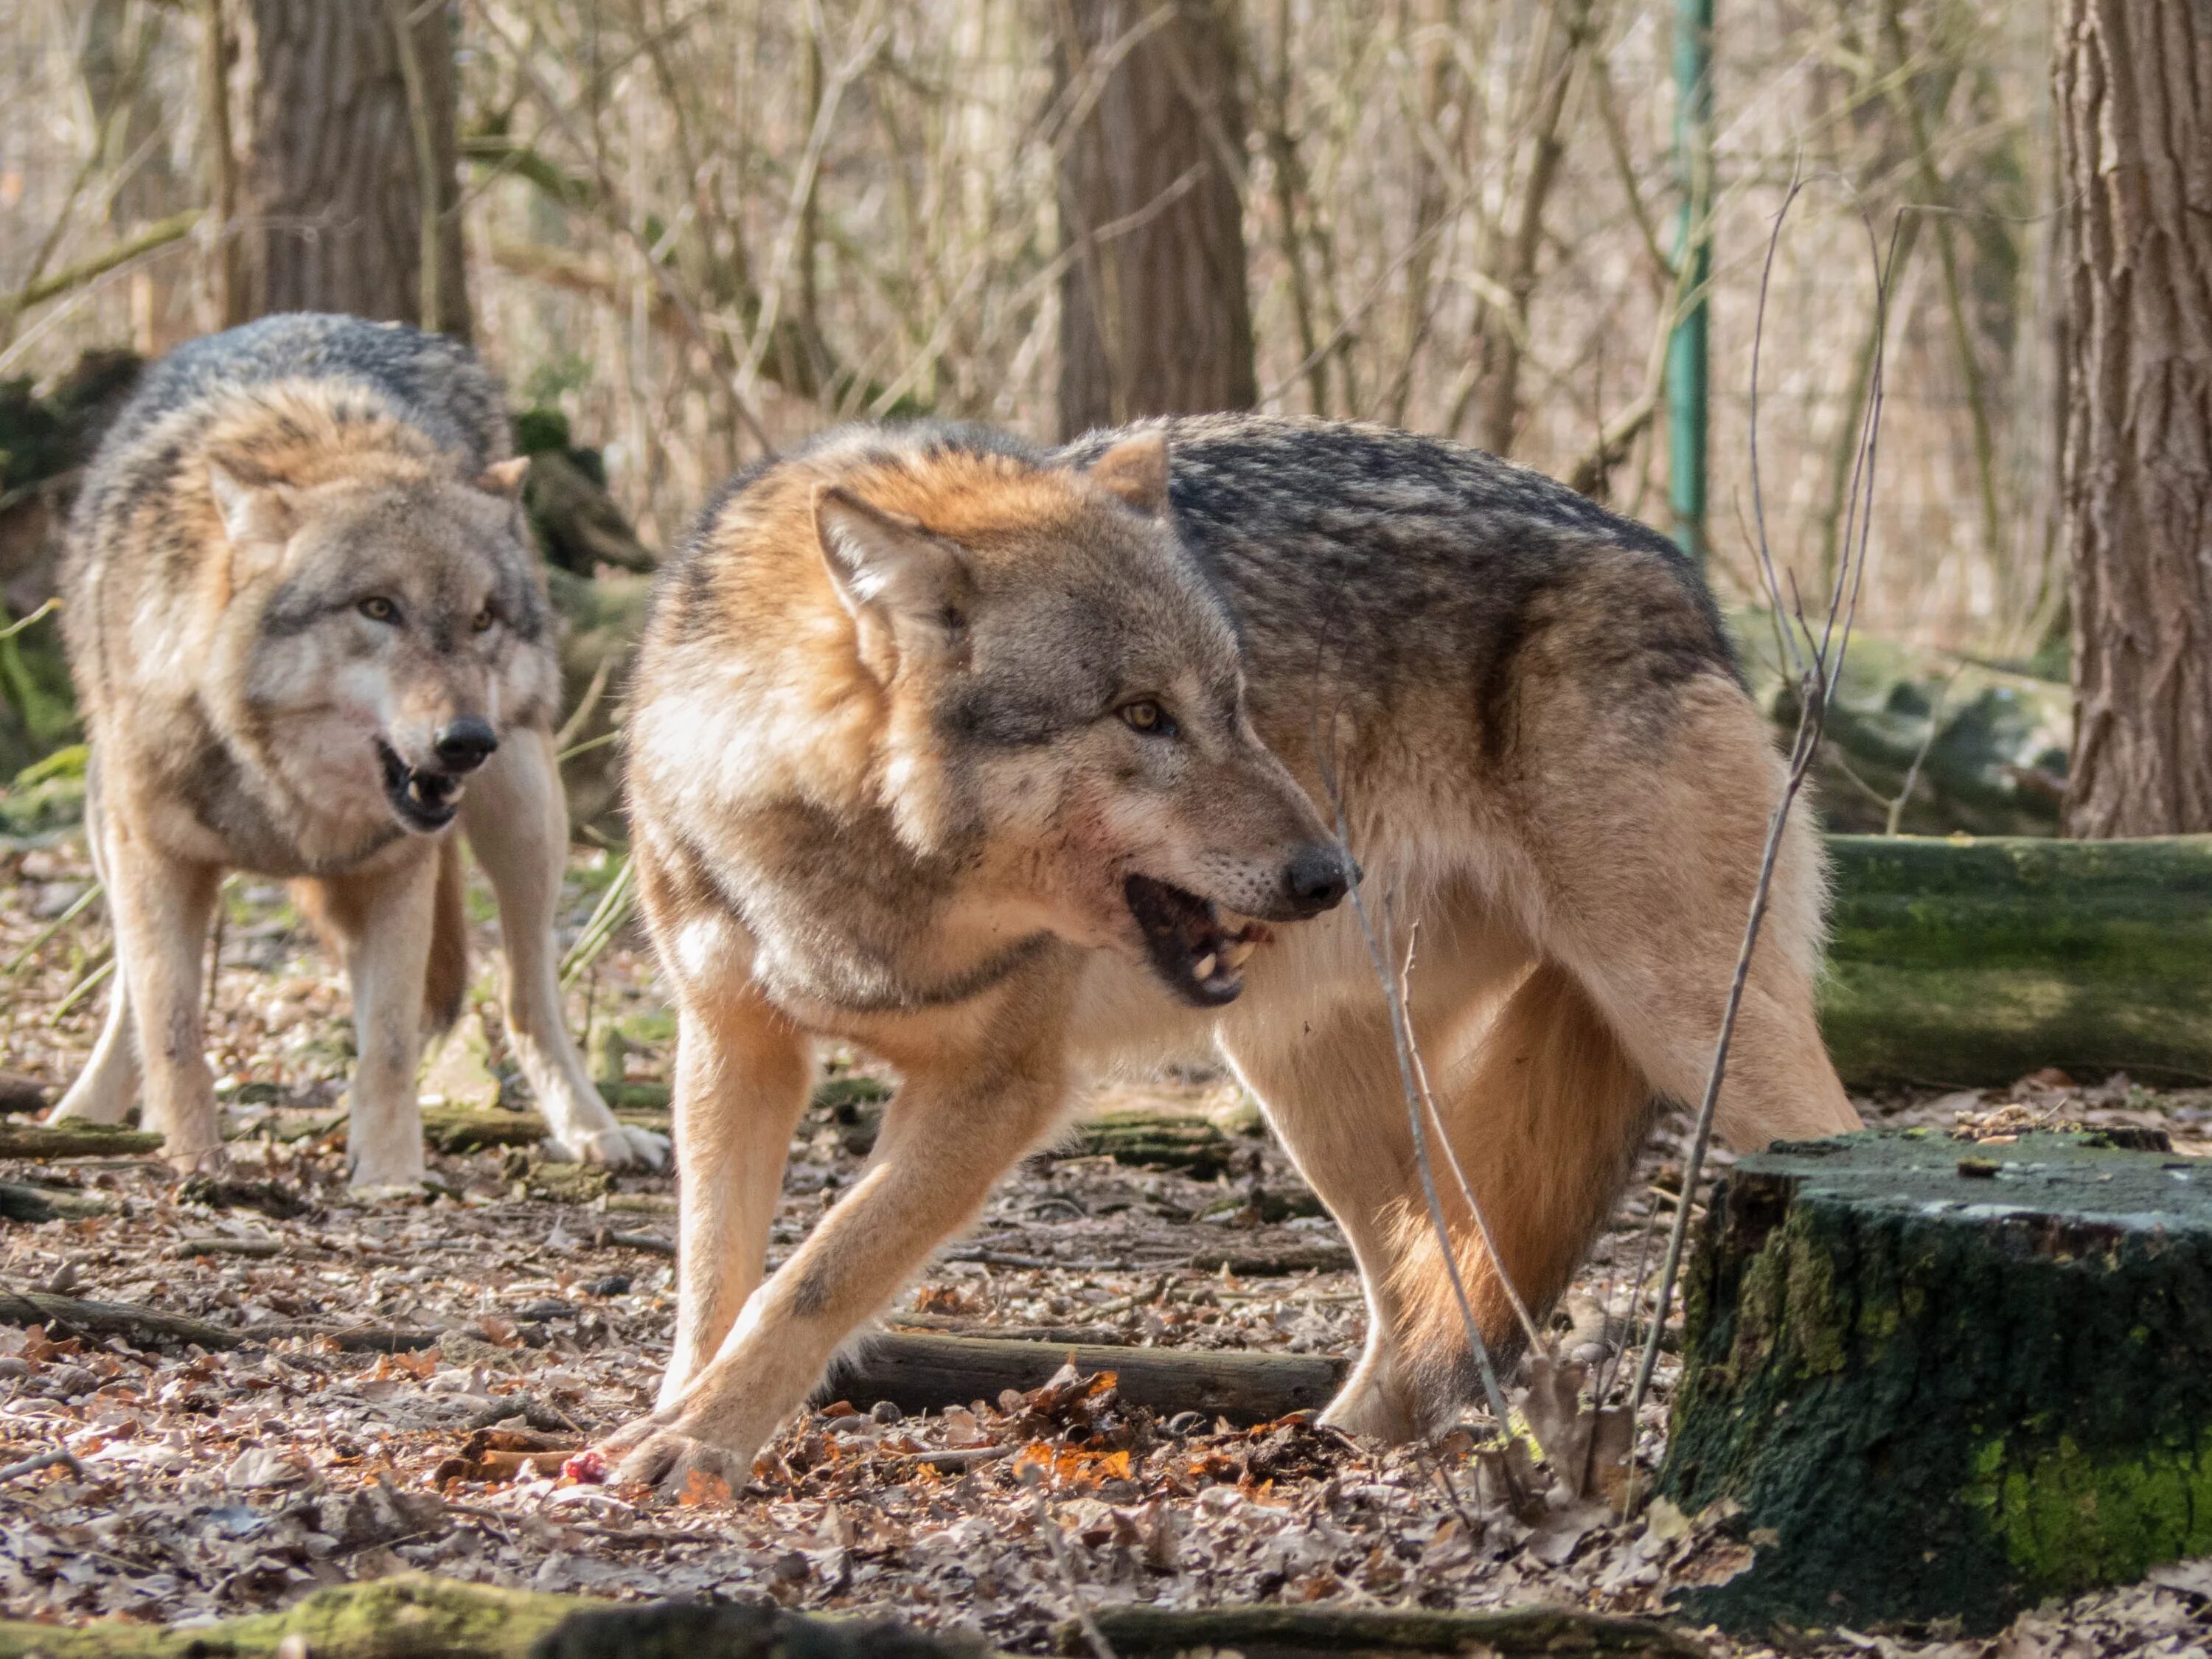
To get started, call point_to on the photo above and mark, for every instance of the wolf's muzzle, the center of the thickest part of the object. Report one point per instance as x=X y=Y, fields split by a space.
x=465 y=745
x=1317 y=878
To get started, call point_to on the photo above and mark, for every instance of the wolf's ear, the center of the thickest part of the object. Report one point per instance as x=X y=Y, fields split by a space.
x=504 y=478
x=258 y=518
x=1136 y=470
x=887 y=569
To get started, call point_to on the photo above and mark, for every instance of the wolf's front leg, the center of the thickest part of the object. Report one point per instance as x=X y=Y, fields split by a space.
x=741 y=1072
x=161 y=905
x=383 y=923
x=518 y=826
x=957 y=1125
x=107 y=1087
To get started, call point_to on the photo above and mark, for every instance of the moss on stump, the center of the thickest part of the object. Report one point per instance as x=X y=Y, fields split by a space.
x=1946 y=1379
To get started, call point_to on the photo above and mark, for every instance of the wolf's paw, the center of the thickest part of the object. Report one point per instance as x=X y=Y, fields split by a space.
x=662 y=1456
x=621 y=1147
x=392 y=1178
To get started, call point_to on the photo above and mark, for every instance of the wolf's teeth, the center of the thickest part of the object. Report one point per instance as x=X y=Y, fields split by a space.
x=1235 y=955
x=1204 y=967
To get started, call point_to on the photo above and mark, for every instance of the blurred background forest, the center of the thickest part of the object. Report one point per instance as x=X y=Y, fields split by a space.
x=697 y=231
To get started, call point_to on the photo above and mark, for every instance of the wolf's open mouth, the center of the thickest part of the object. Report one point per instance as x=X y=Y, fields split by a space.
x=1190 y=948
x=424 y=800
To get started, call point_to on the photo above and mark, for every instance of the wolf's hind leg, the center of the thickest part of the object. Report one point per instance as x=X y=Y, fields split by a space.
x=381 y=921
x=741 y=1075
x=518 y=826
x=957 y=1125
x=1650 y=881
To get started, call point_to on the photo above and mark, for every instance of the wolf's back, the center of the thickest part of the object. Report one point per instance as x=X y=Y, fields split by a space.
x=438 y=382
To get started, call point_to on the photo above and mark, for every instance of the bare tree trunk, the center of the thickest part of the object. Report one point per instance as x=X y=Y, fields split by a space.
x=334 y=159
x=1154 y=317
x=1505 y=329
x=126 y=108
x=2135 y=121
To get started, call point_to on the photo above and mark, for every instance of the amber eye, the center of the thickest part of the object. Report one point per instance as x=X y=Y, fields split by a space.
x=1146 y=716
x=380 y=609
x=483 y=620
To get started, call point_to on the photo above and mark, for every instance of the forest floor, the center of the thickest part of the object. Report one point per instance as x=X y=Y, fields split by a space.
x=211 y=1484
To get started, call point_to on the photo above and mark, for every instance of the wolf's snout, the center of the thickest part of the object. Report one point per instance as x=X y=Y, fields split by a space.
x=465 y=745
x=1317 y=878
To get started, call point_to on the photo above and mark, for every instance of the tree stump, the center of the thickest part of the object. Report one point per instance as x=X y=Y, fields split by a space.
x=1942 y=1378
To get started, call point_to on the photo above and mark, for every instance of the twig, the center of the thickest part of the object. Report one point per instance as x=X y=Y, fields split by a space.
x=1819 y=678
x=77 y=908
x=1920 y=754
x=43 y=1461
x=1033 y=1477
x=586 y=706
x=40 y=615
x=1451 y=1157
x=83 y=988
x=600 y=930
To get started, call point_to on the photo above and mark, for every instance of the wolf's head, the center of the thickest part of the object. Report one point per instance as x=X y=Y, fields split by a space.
x=1066 y=700
x=384 y=627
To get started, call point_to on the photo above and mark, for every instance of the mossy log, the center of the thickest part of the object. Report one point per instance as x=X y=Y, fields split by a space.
x=1973 y=963
x=73 y=1139
x=417 y=1616
x=921 y=1373
x=1943 y=1379
x=1280 y=1632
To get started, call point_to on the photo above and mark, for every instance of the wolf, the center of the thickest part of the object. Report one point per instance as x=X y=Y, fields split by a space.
x=1006 y=764
x=309 y=637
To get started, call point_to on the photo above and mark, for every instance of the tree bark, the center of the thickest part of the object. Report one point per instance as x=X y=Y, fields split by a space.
x=2133 y=86
x=1946 y=1380
x=1154 y=316
x=334 y=158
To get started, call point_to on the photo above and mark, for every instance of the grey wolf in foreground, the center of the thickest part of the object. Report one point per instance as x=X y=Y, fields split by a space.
x=308 y=633
x=1002 y=763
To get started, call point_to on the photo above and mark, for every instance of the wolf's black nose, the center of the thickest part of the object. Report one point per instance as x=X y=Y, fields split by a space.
x=1317 y=878
x=465 y=745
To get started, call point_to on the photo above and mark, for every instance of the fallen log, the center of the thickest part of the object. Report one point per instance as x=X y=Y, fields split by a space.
x=19 y=1202
x=1947 y=1380
x=141 y=1327
x=417 y=1616
x=1280 y=1632
x=1973 y=963
x=20 y=1094
x=73 y=1139
x=923 y=1373
x=154 y=1327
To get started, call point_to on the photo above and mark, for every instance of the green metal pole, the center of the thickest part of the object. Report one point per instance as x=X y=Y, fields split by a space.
x=1686 y=346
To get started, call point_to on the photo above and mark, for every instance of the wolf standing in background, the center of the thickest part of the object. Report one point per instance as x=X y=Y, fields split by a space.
x=1001 y=763
x=307 y=632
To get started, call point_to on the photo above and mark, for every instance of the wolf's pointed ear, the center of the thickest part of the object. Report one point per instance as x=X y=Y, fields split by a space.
x=887 y=569
x=258 y=518
x=504 y=478
x=1136 y=470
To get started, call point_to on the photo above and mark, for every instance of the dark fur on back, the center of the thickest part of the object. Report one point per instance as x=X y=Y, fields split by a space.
x=438 y=382
x=1343 y=542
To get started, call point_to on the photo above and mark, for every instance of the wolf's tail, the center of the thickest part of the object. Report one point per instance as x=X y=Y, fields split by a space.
x=445 y=985
x=1546 y=1114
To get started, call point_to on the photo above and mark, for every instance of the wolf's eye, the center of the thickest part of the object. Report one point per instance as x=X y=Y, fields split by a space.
x=377 y=608
x=483 y=620
x=1148 y=717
